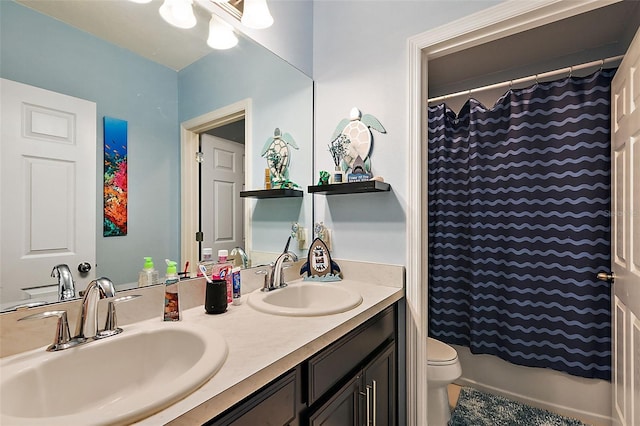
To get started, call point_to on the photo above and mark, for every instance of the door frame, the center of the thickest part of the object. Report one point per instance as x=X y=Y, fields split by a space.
x=503 y=20
x=189 y=175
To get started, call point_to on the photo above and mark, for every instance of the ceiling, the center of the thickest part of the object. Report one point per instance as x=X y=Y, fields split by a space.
x=590 y=36
x=138 y=27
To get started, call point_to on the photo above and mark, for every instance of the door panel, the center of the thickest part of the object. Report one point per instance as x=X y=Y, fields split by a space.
x=48 y=186
x=222 y=212
x=625 y=148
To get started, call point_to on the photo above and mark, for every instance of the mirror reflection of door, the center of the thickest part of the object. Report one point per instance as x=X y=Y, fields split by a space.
x=222 y=177
x=48 y=189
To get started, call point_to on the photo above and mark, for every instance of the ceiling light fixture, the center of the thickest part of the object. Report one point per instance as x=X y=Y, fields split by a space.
x=255 y=14
x=178 y=13
x=221 y=34
x=141 y=1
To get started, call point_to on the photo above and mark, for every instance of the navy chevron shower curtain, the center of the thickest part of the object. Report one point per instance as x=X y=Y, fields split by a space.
x=519 y=201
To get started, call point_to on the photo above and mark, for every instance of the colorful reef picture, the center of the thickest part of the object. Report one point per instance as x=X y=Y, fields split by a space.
x=115 y=177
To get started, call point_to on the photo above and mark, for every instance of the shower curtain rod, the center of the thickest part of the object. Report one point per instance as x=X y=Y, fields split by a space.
x=535 y=77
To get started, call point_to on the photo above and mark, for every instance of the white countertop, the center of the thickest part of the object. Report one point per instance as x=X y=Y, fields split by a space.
x=264 y=346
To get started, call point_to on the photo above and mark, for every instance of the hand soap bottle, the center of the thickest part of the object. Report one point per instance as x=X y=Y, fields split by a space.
x=171 y=295
x=148 y=276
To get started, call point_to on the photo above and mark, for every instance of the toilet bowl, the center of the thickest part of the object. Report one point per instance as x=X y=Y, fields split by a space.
x=443 y=367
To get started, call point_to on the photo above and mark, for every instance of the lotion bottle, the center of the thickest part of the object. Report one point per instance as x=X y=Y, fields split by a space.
x=171 y=295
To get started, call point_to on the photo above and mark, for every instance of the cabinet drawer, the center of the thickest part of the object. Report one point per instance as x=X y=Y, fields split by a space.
x=273 y=405
x=332 y=364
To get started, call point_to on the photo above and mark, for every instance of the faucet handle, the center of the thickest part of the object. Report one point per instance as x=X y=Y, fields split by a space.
x=111 y=324
x=62 y=338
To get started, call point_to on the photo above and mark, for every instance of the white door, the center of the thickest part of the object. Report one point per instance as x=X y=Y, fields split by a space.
x=625 y=160
x=47 y=186
x=221 y=208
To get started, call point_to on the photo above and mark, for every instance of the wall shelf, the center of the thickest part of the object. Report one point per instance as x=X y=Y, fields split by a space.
x=350 y=187
x=271 y=193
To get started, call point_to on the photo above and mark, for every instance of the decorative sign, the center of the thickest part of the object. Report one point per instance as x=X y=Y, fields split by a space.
x=351 y=144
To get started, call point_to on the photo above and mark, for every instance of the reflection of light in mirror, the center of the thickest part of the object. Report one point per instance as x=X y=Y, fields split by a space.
x=178 y=13
x=221 y=34
x=256 y=14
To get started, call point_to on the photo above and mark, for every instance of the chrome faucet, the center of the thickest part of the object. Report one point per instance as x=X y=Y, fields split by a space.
x=87 y=326
x=275 y=278
x=243 y=256
x=66 y=285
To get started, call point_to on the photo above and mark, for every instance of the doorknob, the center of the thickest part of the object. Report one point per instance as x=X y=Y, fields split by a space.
x=84 y=267
x=603 y=276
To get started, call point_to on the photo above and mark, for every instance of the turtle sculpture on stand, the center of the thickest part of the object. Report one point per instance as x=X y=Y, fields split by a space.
x=276 y=151
x=357 y=129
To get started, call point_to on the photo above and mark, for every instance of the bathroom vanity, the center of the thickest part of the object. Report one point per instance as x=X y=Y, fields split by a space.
x=290 y=370
x=352 y=381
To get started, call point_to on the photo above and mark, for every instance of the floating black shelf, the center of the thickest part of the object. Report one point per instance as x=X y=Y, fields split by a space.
x=271 y=193
x=350 y=187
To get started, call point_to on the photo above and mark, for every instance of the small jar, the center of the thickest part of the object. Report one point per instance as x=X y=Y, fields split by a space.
x=338 y=175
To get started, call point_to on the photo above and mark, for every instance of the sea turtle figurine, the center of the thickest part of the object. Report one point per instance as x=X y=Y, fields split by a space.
x=276 y=151
x=357 y=129
x=319 y=265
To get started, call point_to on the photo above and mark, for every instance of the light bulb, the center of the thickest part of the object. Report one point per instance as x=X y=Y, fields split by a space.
x=178 y=13
x=221 y=34
x=256 y=14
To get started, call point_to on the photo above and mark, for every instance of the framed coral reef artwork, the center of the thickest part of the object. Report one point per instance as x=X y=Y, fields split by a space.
x=115 y=177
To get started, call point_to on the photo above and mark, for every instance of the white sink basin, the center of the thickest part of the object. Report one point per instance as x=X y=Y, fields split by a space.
x=116 y=380
x=306 y=298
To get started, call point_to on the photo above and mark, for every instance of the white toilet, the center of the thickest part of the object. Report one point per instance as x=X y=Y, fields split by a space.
x=443 y=367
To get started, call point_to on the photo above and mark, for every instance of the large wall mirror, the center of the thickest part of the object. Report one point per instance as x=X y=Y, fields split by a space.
x=156 y=100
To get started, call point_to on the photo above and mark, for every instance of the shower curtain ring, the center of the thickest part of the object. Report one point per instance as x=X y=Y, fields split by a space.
x=601 y=64
x=570 y=71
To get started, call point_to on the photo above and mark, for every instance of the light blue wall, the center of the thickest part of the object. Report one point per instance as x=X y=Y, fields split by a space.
x=282 y=97
x=46 y=53
x=360 y=59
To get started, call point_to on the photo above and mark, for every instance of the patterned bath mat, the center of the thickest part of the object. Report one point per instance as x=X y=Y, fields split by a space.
x=476 y=408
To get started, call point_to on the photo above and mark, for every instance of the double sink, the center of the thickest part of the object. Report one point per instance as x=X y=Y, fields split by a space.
x=148 y=367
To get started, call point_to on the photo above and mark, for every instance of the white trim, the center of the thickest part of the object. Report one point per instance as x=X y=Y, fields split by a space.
x=189 y=186
x=500 y=21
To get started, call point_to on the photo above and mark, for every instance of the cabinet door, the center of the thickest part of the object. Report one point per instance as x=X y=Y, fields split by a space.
x=342 y=408
x=380 y=389
x=273 y=405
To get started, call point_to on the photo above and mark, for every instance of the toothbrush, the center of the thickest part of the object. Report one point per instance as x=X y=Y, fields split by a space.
x=204 y=272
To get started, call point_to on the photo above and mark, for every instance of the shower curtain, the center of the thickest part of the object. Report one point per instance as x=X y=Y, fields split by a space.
x=519 y=202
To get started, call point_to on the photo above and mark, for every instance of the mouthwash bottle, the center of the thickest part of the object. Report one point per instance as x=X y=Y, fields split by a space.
x=223 y=269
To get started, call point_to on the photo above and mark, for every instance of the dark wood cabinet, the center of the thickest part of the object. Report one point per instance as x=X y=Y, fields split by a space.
x=276 y=404
x=352 y=382
x=341 y=408
x=368 y=398
x=380 y=387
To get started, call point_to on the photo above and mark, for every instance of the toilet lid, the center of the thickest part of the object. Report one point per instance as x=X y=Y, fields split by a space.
x=439 y=353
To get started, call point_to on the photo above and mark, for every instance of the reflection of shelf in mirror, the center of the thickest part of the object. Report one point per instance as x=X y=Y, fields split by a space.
x=271 y=193
x=350 y=187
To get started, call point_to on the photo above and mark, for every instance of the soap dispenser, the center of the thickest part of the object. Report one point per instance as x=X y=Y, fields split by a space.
x=148 y=276
x=171 y=294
